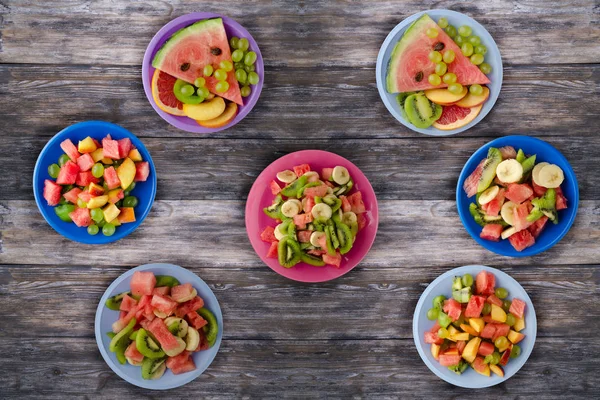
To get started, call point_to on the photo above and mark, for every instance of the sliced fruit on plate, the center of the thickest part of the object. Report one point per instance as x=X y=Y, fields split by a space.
x=162 y=93
x=444 y=97
x=421 y=111
x=472 y=100
x=190 y=49
x=226 y=117
x=206 y=110
x=410 y=65
x=454 y=117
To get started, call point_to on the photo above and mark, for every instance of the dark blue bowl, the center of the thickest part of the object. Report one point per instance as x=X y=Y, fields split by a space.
x=144 y=191
x=552 y=233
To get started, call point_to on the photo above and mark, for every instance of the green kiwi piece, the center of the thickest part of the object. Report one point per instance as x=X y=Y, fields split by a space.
x=274 y=210
x=133 y=335
x=488 y=174
x=330 y=249
x=177 y=326
x=528 y=164
x=123 y=333
x=211 y=330
x=291 y=231
x=318 y=199
x=288 y=252
x=312 y=260
x=345 y=237
x=166 y=280
x=121 y=348
x=437 y=111
x=521 y=156
x=475 y=214
x=334 y=239
x=419 y=110
x=147 y=346
x=153 y=368
x=401 y=99
x=111 y=334
x=291 y=190
x=114 y=303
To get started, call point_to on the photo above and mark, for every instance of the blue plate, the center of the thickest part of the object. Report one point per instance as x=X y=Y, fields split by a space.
x=552 y=233
x=144 y=191
x=443 y=286
x=132 y=374
x=456 y=19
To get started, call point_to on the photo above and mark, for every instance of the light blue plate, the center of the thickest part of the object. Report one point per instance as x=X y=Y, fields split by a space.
x=552 y=233
x=456 y=19
x=132 y=374
x=442 y=285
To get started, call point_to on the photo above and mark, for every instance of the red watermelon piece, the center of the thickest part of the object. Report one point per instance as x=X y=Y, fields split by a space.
x=68 y=174
x=538 y=226
x=124 y=147
x=485 y=283
x=189 y=306
x=493 y=207
x=268 y=235
x=493 y=299
x=538 y=190
x=111 y=178
x=472 y=182
x=518 y=192
x=181 y=292
x=162 y=290
x=326 y=173
x=187 y=366
x=133 y=354
x=517 y=308
x=336 y=260
x=142 y=170
x=275 y=188
x=479 y=365
x=110 y=148
x=561 y=200
x=85 y=162
x=301 y=220
x=346 y=206
x=272 y=253
x=142 y=283
x=485 y=349
x=128 y=303
x=178 y=360
x=70 y=149
x=300 y=170
x=85 y=178
x=433 y=338
x=52 y=192
x=448 y=360
x=520 y=214
x=81 y=217
x=452 y=308
x=163 y=304
x=362 y=221
x=307 y=204
x=491 y=232
x=521 y=240
x=475 y=306
x=488 y=331
x=356 y=203
x=85 y=196
x=500 y=330
x=320 y=191
x=72 y=195
x=195 y=320
x=159 y=330
x=304 y=236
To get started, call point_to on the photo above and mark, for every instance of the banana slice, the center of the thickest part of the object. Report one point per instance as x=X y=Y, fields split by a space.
x=508 y=232
x=508 y=211
x=340 y=175
x=329 y=190
x=349 y=218
x=312 y=176
x=278 y=234
x=160 y=314
x=488 y=195
x=286 y=176
x=315 y=237
x=291 y=208
x=551 y=176
x=535 y=174
x=321 y=212
x=509 y=171
x=192 y=339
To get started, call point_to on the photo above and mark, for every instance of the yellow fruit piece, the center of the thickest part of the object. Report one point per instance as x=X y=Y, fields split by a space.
x=126 y=172
x=111 y=212
x=435 y=351
x=107 y=161
x=497 y=370
x=97 y=154
x=127 y=215
x=460 y=336
x=223 y=119
x=469 y=330
x=451 y=332
x=477 y=324
x=485 y=372
x=206 y=110
x=95 y=189
x=470 y=351
x=135 y=155
x=96 y=202
x=444 y=96
x=452 y=352
x=113 y=196
x=116 y=222
x=515 y=337
x=87 y=145
x=519 y=324
x=498 y=314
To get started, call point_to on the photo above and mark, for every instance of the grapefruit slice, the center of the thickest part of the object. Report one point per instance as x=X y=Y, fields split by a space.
x=162 y=93
x=454 y=117
x=223 y=119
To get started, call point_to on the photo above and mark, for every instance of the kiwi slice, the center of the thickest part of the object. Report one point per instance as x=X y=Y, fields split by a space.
x=488 y=174
x=153 y=368
x=114 y=303
x=401 y=99
x=147 y=346
x=211 y=330
x=312 y=260
x=288 y=252
x=133 y=335
x=437 y=111
x=419 y=110
x=345 y=237
x=521 y=156
x=274 y=210
x=528 y=164
x=292 y=189
x=123 y=333
x=177 y=326
x=166 y=280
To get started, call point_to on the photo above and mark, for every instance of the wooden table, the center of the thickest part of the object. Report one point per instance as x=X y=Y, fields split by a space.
x=66 y=61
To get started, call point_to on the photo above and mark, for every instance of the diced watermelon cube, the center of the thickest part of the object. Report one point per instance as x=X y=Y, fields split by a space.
x=68 y=173
x=128 y=303
x=111 y=178
x=320 y=191
x=300 y=170
x=336 y=260
x=124 y=147
x=491 y=232
x=517 y=308
x=433 y=338
x=452 y=308
x=52 y=192
x=142 y=283
x=520 y=214
x=561 y=200
x=85 y=196
x=192 y=305
x=447 y=360
x=85 y=178
x=460 y=346
x=480 y=366
x=518 y=192
x=488 y=331
x=346 y=206
x=188 y=366
x=538 y=190
x=81 y=217
x=195 y=320
x=485 y=283
x=142 y=170
x=72 y=195
x=538 y=226
x=501 y=330
x=493 y=207
x=272 y=253
x=521 y=240
x=326 y=173
x=485 y=349
x=85 y=162
x=362 y=221
x=110 y=148
x=275 y=188
x=475 y=306
x=493 y=299
x=472 y=182
x=163 y=304
x=163 y=290
x=133 y=354
x=307 y=204
x=181 y=292
x=166 y=339
x=70 y=149
x=301 y=220
x=356 y=203
x=304 y=236
x=268 y=235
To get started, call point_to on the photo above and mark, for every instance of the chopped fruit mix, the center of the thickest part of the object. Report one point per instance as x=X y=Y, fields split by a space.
x=317 y=218
x=440 y=74
x=161 y=323
x=477 y=327
x=93 y=183
x=199 y=73
x=515 y=196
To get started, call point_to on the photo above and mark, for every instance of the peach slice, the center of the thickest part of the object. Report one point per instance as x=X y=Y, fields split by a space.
x=444 y=97
x=471 y=100
x=223 y=119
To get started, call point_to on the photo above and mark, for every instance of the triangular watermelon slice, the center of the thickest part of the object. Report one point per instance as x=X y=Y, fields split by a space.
x=190 y=49
x=410 y=65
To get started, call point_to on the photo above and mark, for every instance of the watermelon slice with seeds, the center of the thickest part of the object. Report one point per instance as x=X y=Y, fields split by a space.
x=410 y=65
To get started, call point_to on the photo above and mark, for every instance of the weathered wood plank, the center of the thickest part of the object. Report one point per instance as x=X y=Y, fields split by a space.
x=535 y=100
x=214 y=169
x=55 y=368
x=307 y=33
x=369 y=303
x=212 y=234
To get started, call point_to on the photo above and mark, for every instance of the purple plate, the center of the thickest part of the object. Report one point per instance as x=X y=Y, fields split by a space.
x=232 y=28
x=260 y=196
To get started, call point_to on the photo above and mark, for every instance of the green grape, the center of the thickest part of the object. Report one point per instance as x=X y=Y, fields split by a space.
x=500 y=292
x=485 y=68
x=101 y=223
x=455 y=88
x=226 y=65
x=476 y=90
x=108 y=229
x=53 y=170
x=466 y=49
x=476 y=59
x=501 y=342
x=432 y=33
x=253 y=78
x=506 y=305
x=208 y=70
x=221 y=74
x=449 y=78
x=432 y=314
x=440 y=69
x=438 y=302
x=443 y=22
x=81 y=203
x=451 y=31
x=480 y=49
x=475 y=40
x=63 y=212
x=467 y=280
x=97 y=214
x=241 y=76
x=459 y=40
x=237 y=55
x=448 y=56
x=510 y=320
x=493 y=358
x=239 y=65
x=443 y=333
x=98 y=170
x=130 y=201
x=62 y=160
x=203 y=92
x=465 y=31
x=233 y=42
x=250 y=58
x=187 y=90
x=249 y=68
x=245 y=91
x=434 y=79
x=243 y=44
x=516 y=351
x=200 y=82
x=487 y=309
x=435 y=56
x=93 y=229
x=222 y=86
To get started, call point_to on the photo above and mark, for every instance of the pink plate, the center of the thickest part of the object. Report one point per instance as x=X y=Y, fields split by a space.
x=260 y=196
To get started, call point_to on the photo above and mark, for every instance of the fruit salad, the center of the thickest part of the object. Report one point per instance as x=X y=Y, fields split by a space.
x=515 y=196
x=318 y=219
x=440 y=73
x=161 y=323
x=477 y=327
x=93 y=183
x=203 y=75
